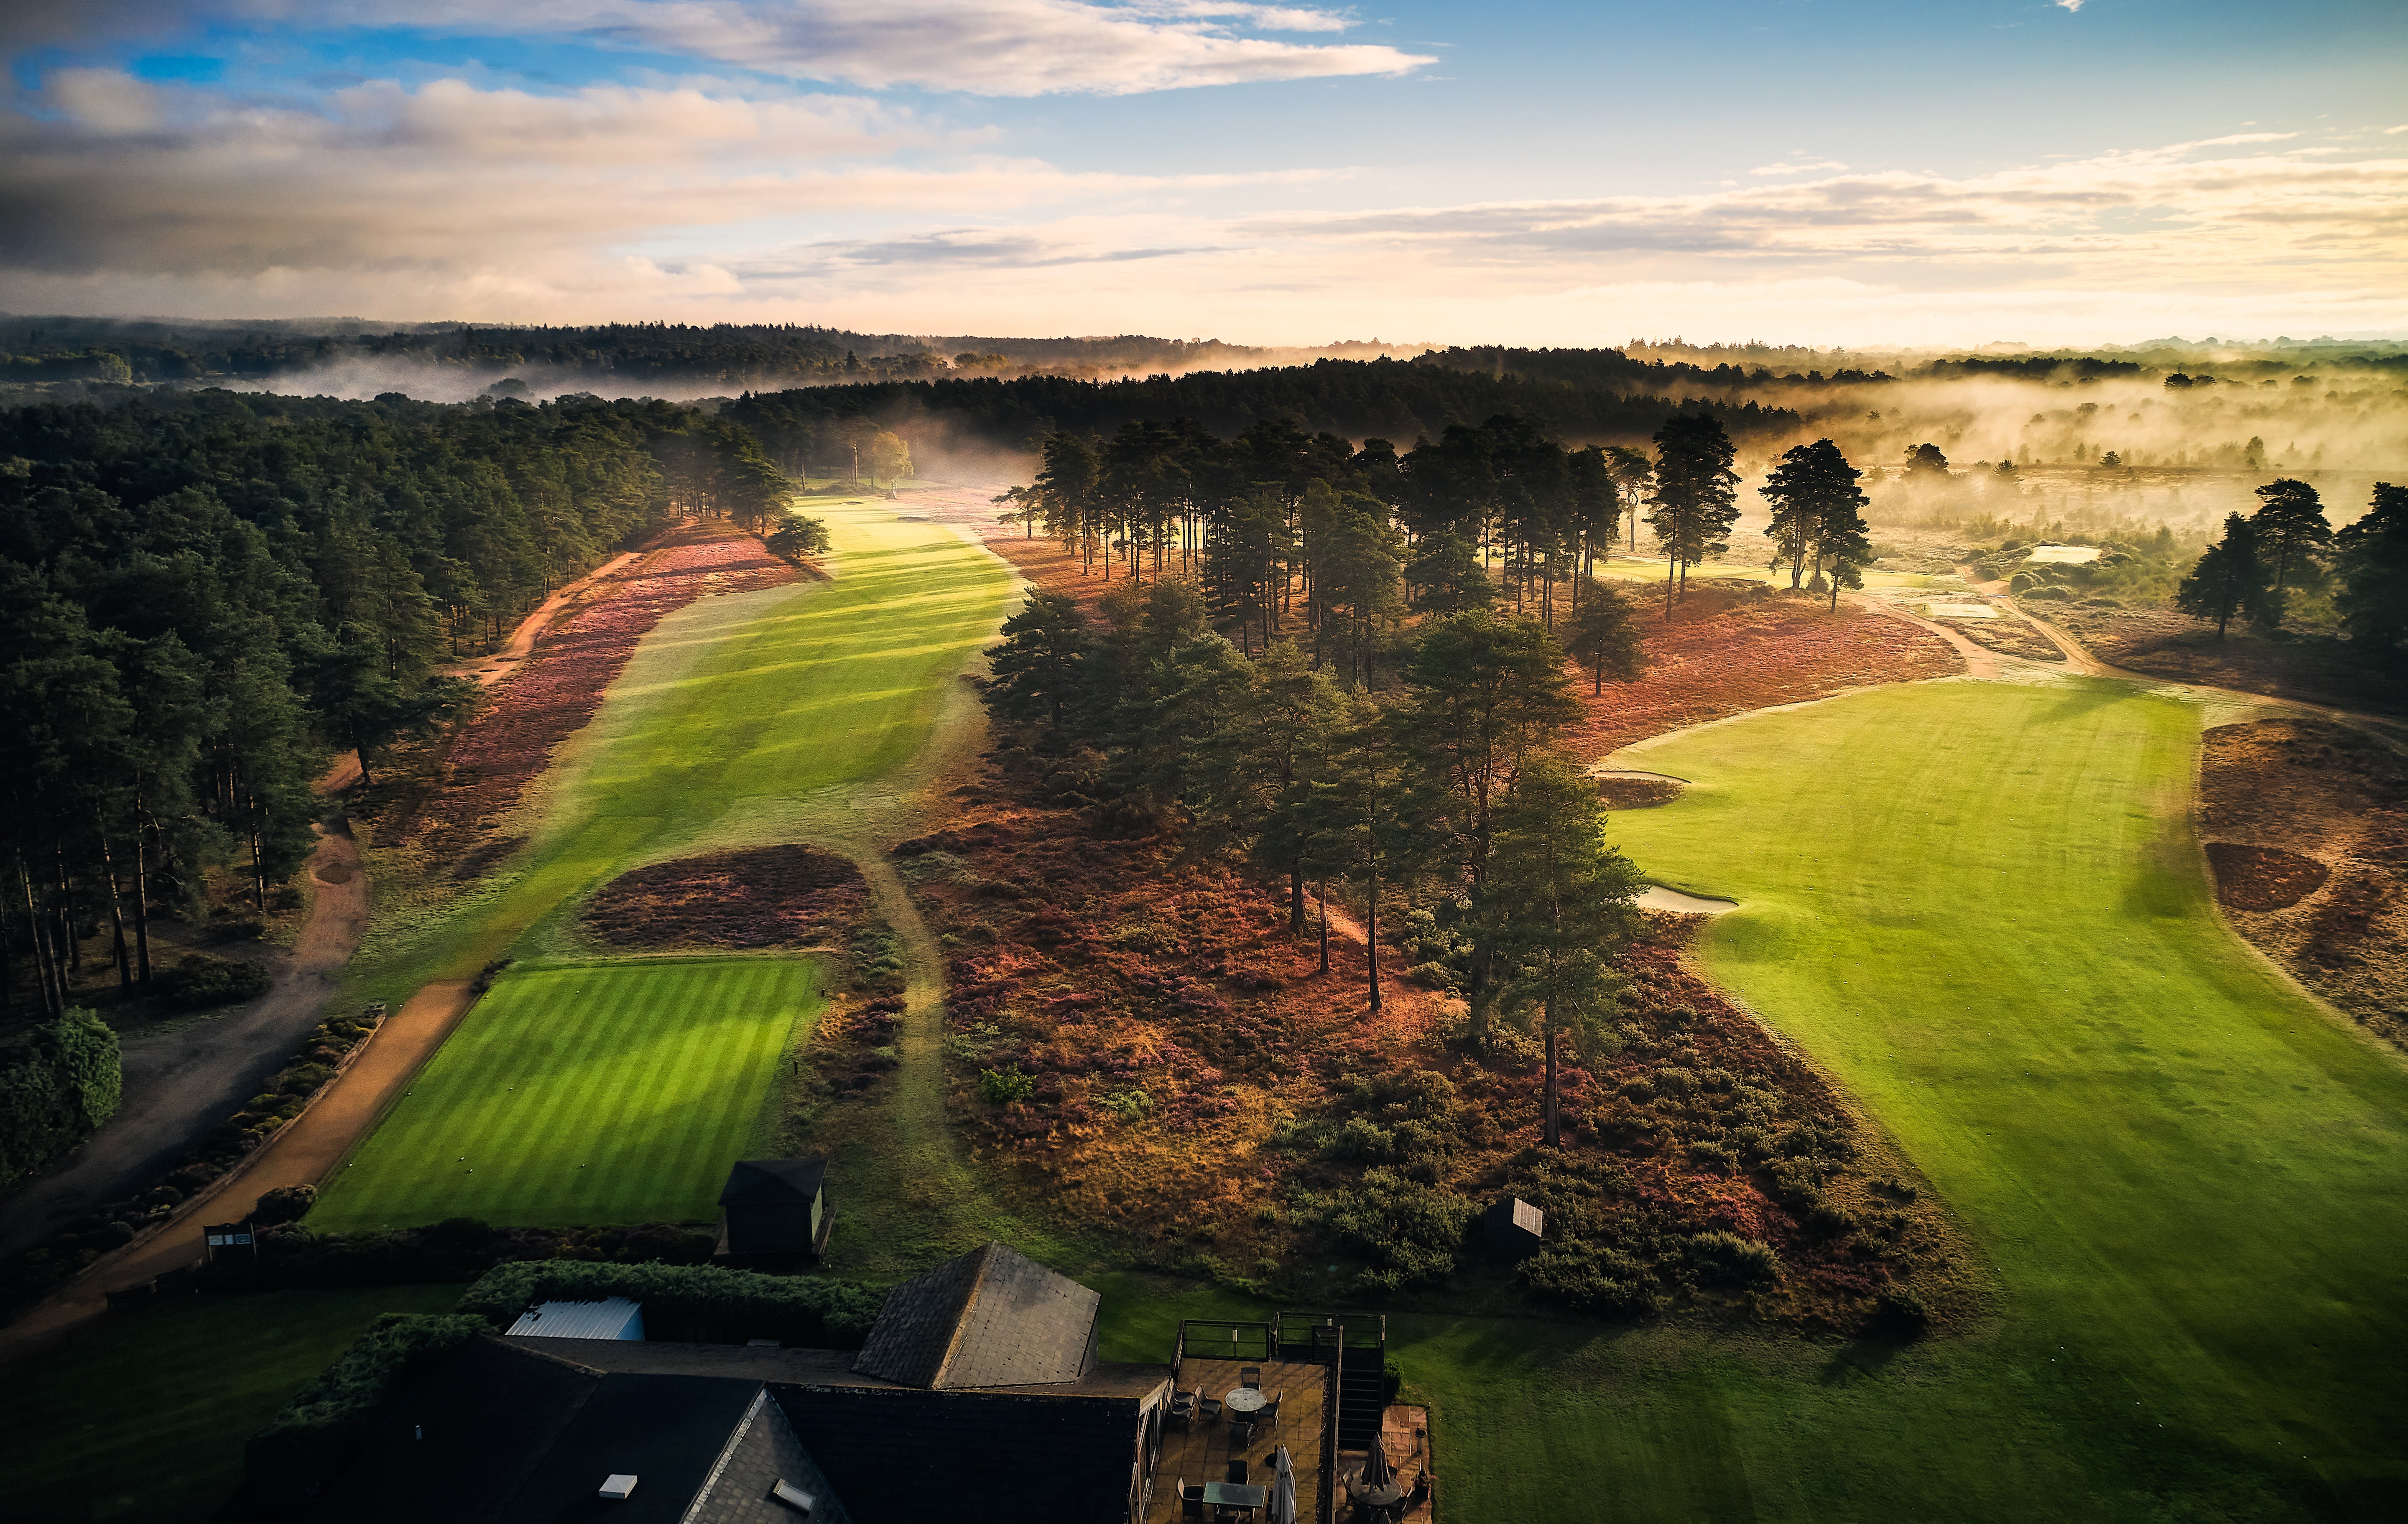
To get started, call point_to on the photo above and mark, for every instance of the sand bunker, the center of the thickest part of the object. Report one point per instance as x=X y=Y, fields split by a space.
x=2064 y=555
x=1960 y=611
x=1656 y=897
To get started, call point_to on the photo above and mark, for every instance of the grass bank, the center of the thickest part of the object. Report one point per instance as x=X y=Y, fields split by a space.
x=584 y=1094
x=143 y=1416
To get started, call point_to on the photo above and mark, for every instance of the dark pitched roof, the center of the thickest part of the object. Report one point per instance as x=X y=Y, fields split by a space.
x=904 y=1457
x=668 y=1432
x=455 y=1441
x=773 y=1182
x=764 y=1453
x=992 y=1318
x=818 y=1367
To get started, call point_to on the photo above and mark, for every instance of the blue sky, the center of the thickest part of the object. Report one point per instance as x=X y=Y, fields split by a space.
x=1803 y=171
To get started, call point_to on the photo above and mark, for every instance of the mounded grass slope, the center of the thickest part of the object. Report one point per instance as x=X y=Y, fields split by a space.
x=143 y=1416
x=595 y=1093
x=1982 y=907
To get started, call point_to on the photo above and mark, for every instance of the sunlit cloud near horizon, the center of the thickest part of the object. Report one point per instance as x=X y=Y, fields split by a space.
x=1264 y=174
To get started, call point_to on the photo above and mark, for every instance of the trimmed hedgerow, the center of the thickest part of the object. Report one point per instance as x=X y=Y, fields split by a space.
x=320 y=1430
x=798 y=1308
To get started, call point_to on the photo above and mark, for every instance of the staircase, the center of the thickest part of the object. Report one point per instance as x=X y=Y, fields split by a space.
x=1362 y=1396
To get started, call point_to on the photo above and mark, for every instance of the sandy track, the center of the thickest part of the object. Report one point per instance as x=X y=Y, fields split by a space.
x=304 y=1153
x=181 y=1084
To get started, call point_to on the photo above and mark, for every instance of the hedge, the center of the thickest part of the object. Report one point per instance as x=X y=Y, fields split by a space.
x=56 y=1090
x=793 y=1307
x=321 y=1430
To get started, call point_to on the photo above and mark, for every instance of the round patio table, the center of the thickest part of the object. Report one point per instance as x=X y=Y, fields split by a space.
x=1245 y=1400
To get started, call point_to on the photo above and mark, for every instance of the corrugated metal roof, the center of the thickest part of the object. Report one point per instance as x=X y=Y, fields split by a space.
x=614 y=1317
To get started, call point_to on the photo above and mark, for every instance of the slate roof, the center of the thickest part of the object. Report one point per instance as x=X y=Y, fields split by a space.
x=668 y=1432
x=455 y=1441
x=898 y=1456
x=821 y=1367
x=764 y=1453
x=773 y=1182
x=992 y=1318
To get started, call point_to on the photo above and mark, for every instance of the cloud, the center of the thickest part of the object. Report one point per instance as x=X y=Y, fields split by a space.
x=975 y=47
x=1815 y=167
x=2069 y=5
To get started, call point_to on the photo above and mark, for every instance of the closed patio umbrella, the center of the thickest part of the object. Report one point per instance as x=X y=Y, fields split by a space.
x=1283 y=1488
x=1376 y=1473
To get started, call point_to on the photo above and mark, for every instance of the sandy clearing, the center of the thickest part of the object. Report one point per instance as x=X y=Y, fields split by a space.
x=1656 y=897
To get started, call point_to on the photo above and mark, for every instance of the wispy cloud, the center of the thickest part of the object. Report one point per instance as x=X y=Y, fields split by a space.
x=1814 y=167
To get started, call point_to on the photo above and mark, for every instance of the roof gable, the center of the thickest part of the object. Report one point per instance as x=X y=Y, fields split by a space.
x=992 y=1318
x=773 y=1182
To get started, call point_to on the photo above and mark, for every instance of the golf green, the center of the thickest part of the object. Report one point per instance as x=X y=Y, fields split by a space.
x=588 y=1095
x=1982 y=906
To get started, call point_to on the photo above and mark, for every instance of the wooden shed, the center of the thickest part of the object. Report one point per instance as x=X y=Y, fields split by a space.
x=773 y=1212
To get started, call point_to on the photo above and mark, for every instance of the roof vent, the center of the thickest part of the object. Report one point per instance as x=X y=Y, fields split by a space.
x=616 y=1486
x=793 y=1496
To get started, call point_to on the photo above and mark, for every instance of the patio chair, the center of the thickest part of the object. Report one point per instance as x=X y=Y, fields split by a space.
x=1191 y=1500
x=1211 y=1408
x=1268 y=1416
x=1183 y=1409
x=1251 y=1377
x=1237 y=1470
x=1242 y=1428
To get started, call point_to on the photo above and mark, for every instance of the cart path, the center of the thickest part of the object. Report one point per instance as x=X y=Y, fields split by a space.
x=180 y=1083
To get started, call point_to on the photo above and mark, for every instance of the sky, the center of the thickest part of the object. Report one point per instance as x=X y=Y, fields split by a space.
x=1859 y=173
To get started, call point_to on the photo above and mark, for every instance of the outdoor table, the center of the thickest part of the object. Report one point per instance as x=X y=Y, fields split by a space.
x=1246 y=1400
x=1234 y=1495
x=1376 y=1497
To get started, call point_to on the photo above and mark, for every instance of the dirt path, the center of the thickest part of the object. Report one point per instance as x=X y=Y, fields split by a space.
x=304 y=1153
x=180 y=1083
x=1980 y=661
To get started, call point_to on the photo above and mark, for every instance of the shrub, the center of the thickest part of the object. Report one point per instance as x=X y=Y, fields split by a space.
x=1901 y=1313
x=56 y=1089
x=1005 y=1086
x=1725 y=1258
x=796 y=1308
x=1410 y=1231
x=877 y=957
x=285 y=1204
x=199 y=981
x=1128 y=1106
x=1362 y=1141
x=798 y=538
x=1593 y=1279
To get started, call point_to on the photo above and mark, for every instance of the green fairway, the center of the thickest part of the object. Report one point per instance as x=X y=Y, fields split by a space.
x=1983 y=908
x=740 y=719
x=585 y=1094
x=142 y=1416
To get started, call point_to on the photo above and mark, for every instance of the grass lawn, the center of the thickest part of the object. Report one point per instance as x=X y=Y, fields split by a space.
x=584 y=1094
x=1980 y=905
x=738 y=717
x=143 y=1415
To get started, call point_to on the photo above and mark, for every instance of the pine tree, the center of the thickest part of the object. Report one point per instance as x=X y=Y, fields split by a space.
x=1695 y=493
x=1564 y=907
x=1603 y=637
x=2229 y=579
x=1815 y=508
x=2374 y=570
x=2291 y=529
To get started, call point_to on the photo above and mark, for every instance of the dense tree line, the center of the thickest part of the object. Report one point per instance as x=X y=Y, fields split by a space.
x=2263 y=559
x=1382 y=398
x=207 y=593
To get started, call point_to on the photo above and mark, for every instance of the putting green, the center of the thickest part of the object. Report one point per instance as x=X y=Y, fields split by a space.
x=615 y=1092
x=1983 y=908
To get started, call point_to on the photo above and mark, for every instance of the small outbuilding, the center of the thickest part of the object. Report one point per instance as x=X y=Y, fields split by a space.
x=1513 y=1229
x=773 y=1213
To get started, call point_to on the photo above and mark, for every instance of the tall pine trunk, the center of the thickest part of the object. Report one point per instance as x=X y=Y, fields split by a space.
x=116 y=906
x=1552 y=1130
x=141 y=893
x=1371 y=935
